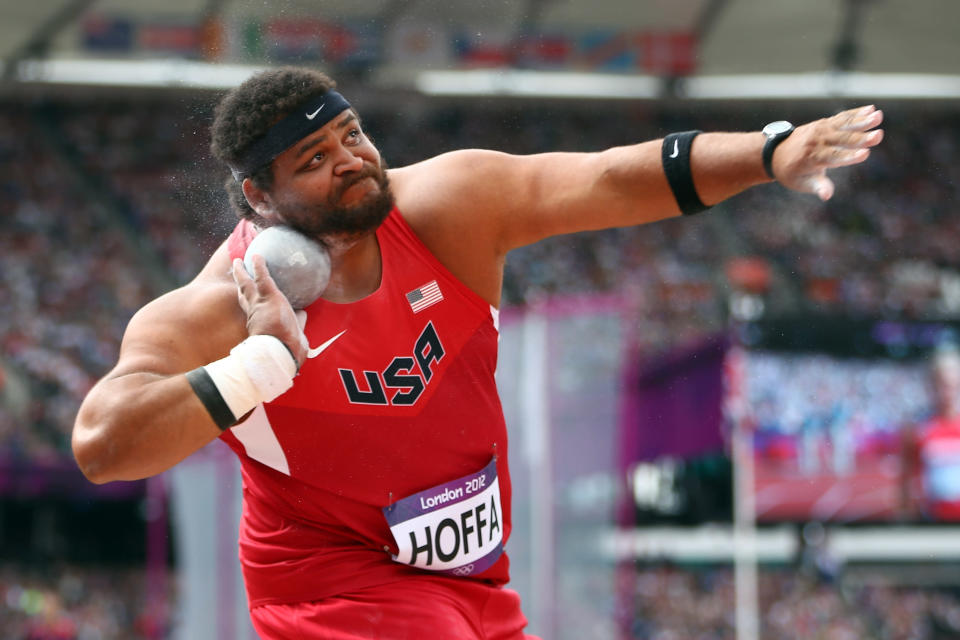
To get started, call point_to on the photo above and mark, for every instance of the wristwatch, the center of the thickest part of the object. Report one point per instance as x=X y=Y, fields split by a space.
x=776 y=133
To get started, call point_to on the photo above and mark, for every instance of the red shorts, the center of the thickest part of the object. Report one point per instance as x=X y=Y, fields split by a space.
x=414 y=609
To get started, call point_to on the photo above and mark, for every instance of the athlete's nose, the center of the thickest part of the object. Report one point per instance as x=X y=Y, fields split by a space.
x=347 y=162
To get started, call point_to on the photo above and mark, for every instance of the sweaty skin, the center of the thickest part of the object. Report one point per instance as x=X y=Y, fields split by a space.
x=469 y=207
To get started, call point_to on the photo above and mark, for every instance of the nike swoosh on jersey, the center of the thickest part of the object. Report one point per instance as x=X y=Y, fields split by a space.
x=313 y=353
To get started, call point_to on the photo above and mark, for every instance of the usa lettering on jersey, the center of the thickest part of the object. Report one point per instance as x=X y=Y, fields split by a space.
x=403 y=381
x=452 y=528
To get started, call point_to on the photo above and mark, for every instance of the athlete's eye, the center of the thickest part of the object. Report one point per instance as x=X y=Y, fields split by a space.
x=313 y=161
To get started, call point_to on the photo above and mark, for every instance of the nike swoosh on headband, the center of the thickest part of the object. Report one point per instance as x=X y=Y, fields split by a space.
x=285 y=133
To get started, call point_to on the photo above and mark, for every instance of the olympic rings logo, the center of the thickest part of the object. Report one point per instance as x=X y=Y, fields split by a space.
x=465 y=570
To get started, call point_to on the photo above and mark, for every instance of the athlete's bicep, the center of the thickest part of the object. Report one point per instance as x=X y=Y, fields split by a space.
x=515 y=200
x=558 y=193
x=143 y=417
x=178 y=332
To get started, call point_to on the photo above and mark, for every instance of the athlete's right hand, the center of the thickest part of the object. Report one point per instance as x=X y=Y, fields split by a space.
x=268 y=310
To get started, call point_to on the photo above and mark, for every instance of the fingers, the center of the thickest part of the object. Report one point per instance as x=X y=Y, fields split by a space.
x=302 y=323
x=846 y=138
x=239 y=273
x=258 y=283
x=851 y=130
x=832 y=157
x=260 y=272
x=267 y=309
x=802 y=161
x=822 y=186
x=853 y=139
x=859 y=119
x=846 y=158
x=245 y=285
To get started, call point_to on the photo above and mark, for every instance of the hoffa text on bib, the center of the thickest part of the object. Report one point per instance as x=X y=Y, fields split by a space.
x=454 y=528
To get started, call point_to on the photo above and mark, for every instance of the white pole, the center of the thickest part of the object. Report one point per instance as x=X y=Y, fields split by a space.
x=536 y=425
x=744 y=536
x=744 y=503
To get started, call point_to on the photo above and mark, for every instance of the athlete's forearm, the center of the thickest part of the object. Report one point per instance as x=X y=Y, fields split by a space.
x=721 y=165
x=138 y=425
x=635 y=189
x=558 y=193
x=725 y=164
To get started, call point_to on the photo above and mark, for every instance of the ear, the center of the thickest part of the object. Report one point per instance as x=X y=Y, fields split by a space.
x=259 y=200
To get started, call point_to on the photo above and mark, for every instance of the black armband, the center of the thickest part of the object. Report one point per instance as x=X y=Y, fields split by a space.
x=209 y=395
x=675 y=155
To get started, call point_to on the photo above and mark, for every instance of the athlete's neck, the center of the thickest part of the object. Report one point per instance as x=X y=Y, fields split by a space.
x=355 y=268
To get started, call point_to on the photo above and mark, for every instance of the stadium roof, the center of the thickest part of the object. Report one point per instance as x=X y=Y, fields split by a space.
x=771 y=39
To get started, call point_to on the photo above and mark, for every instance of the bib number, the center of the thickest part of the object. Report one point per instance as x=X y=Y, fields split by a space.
x=455 y=528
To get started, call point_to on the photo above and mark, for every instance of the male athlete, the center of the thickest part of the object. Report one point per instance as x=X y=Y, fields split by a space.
x=375 y=480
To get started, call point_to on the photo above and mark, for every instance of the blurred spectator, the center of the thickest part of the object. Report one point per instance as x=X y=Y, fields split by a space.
x=815 y=560
x=818 y=413
x=932 y=450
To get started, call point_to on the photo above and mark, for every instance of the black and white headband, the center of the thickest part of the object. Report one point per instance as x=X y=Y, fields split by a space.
x=299 y=123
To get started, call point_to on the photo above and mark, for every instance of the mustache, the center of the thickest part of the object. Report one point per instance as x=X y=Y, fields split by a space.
x=369 y=171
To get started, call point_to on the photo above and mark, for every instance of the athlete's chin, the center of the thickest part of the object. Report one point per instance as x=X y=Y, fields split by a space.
x=347 y=223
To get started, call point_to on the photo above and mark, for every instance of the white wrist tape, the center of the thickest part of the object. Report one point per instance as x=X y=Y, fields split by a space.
x=259 y=369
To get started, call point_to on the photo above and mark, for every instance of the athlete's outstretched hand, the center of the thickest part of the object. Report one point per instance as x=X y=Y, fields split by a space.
x=268 y=310
x=801 y=161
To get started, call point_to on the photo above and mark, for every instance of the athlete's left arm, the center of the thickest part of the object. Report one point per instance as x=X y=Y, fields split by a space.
x=528 y=198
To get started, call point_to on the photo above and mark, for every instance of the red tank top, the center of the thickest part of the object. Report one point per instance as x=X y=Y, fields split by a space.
x=388 y=456
x=940 y=454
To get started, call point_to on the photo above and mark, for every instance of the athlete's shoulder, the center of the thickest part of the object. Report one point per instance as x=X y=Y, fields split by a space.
x=452 y=168
x=454 y=204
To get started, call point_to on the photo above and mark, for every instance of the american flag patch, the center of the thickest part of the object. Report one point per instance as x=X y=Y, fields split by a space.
x=427 y=295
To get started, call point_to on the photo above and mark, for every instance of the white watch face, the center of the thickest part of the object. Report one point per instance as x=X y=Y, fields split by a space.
x=779 y=126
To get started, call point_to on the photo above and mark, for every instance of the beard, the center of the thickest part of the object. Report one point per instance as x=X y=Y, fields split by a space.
x=325 y=221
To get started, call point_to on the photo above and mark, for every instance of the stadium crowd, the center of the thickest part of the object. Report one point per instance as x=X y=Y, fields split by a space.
x=674 y=603
x=666 y=602
x=75 y=603
x=859 y=406
x=886 y=244
x=70 y=283
x=882 y=246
